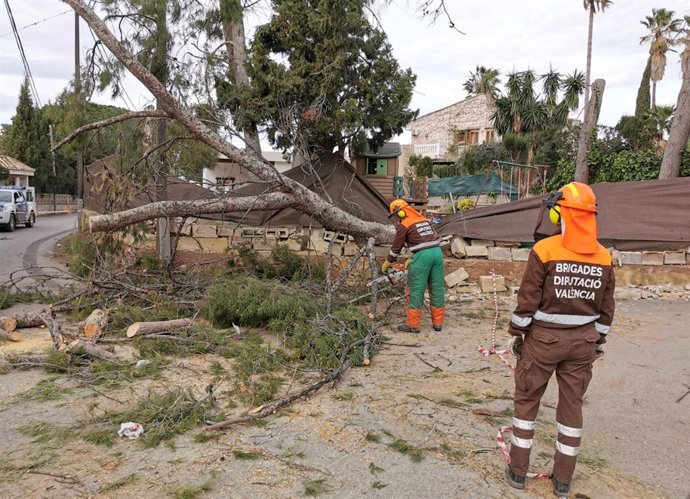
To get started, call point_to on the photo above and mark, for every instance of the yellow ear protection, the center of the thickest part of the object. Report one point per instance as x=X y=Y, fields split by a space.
x=554 y=209
x=399 y=212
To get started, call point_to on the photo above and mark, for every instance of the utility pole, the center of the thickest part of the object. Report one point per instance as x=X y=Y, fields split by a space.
x=52 y=145
x=77 y=95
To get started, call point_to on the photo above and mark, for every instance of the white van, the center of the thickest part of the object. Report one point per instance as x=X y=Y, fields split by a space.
x=17 y=206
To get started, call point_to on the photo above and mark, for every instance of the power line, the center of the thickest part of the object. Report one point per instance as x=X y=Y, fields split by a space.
x=37 y=22
x=17 y=38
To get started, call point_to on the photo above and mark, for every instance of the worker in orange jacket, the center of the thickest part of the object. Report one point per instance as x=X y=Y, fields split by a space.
x=564 y=311
x=425 y=268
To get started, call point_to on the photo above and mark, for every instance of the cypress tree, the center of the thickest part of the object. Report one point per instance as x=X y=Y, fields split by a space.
x=644 y=97
x=26 y=141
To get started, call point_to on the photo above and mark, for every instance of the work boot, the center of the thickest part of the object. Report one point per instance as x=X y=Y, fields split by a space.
x=560 y=489
x=515 y=481
x=407 y=329
x=438 y=328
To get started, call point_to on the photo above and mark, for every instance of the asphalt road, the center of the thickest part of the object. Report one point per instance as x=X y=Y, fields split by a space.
x=26 y=249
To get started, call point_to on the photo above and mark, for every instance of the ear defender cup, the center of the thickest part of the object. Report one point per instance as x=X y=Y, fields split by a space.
x=555 y=215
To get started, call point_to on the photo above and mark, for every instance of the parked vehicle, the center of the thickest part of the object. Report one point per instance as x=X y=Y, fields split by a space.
x=17 y=206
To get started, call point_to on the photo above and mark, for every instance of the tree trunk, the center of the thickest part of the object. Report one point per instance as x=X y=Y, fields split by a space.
x=588 y=69
x=679 y=133
x=592 y=108
x=236 y=47
x=144 y=328
x=305 y=200
x=95 y=323
x=581 y=166
x=160 y=70
x=653 y=94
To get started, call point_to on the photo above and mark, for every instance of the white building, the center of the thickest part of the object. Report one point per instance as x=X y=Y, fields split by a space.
x=457 y=126
x=227 y=175
x=19 y=172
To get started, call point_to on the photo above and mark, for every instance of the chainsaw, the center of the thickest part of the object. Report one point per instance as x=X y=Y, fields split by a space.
x=396 y=273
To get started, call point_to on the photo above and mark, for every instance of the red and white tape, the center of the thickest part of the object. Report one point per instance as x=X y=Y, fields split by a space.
x=485 y=352
x=500 y=440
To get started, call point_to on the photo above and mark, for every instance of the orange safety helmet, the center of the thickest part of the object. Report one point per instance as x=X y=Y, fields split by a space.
x=574 y=207
x=397 y=207
x=574 y=195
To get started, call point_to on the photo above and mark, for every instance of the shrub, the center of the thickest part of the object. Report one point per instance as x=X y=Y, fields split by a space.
x=248 y=301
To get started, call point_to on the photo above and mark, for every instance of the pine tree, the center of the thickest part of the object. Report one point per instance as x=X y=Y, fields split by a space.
x=320 y=73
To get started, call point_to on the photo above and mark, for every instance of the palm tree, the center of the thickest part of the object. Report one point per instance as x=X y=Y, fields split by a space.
x=483 y=81
x=592 y=6
x=581 y=167
x=662 y=29
x=525 y=113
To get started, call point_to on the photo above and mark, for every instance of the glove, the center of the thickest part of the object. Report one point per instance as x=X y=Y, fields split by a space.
x=599 y=351
x=386 y=265
x=408 y=262
x=516 y=346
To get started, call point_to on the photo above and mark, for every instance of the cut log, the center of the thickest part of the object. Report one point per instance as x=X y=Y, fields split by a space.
x=81 y=346
x=95 y=323
x=10 y=335
x=9 y=324
x=30 y=320
x=144 y=328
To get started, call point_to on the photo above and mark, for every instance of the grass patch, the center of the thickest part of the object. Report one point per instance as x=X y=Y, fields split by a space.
x=403 y=447
x=191 y=491
x=372 y=437
x=592 y=460
x=291 y=453
x=166 y=415
x=43 y=432
x=449 y=402
x=207 y=436
x=343 y=396
x=101 y=436
x=451 y=454
x=119 y=483
x=44 y=391
x=316 y=488
x=246 y=456
x=375 y=470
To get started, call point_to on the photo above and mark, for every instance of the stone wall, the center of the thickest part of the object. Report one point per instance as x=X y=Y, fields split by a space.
x=511 y=251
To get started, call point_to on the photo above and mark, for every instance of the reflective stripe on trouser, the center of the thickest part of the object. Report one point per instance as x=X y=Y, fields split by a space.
x=426 y=269
x=570 y=353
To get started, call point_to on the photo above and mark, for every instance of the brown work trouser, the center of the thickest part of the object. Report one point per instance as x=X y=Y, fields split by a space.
x=569 y=352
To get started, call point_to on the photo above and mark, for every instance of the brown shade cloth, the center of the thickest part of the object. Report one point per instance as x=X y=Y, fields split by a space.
x=332 y=178
x=653 y=215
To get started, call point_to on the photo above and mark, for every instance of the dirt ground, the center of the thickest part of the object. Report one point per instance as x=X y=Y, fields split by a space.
x=433 y=391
